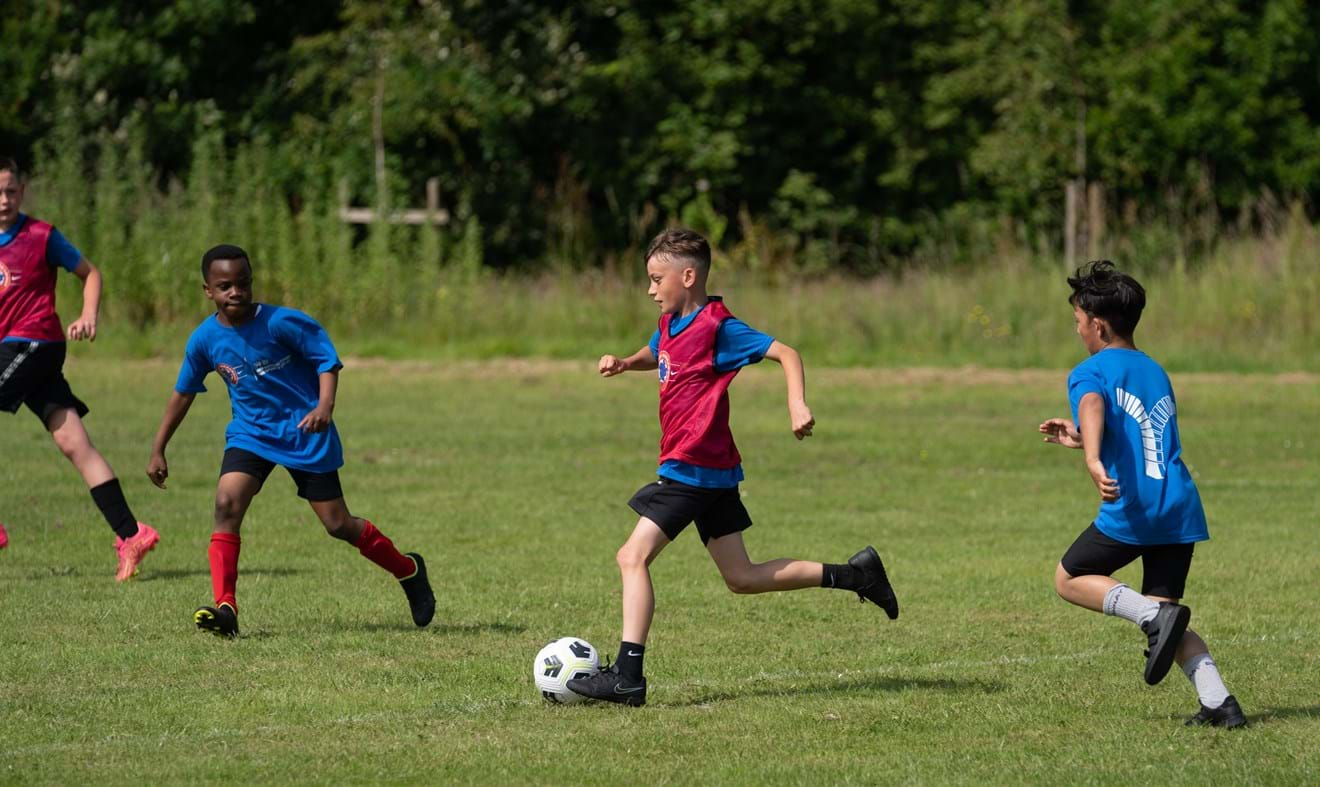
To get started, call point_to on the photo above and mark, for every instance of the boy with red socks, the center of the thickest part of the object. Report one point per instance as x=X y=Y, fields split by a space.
x=282 y=373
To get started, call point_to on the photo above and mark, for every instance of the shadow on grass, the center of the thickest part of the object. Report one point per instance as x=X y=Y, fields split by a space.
x=497 y=627
x=798 y=687
x=149 y=575
x=1272 y=714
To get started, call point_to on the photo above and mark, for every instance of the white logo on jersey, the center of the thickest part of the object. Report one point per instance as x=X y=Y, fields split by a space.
x=1152 y=426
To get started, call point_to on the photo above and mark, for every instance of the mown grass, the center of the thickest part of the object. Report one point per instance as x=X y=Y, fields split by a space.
x=512 y=479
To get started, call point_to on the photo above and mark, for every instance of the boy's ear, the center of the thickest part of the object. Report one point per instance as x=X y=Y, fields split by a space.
x=689 y=276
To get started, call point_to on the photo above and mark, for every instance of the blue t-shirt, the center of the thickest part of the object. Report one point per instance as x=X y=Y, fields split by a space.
x=272 y=364
x=736 y=345
x=58 y=252
x=1158 y=502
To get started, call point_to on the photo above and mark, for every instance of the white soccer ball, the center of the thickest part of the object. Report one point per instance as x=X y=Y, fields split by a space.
x=561 y=661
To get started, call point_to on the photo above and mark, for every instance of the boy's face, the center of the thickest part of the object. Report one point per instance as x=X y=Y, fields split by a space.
x=671 y=280
x=1093 y=331
x=11 y=198
x=229 y=284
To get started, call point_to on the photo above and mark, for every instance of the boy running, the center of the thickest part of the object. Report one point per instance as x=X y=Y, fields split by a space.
x=282 y=373
x=698 y=349
x=1124 y=419
x=32 y=350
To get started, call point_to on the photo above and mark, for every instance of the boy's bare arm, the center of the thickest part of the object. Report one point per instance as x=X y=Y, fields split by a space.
x=641 y=361
x=318 y=419
x=175 y=410
x=1091 y=415
x=85 y=326
x=795 y=377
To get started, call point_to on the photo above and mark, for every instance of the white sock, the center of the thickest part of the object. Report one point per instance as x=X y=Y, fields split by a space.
x=1204 y=675
x=1126 y=603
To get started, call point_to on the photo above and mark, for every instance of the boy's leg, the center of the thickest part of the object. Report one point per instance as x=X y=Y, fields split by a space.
x=233 y=496
x=625 y=682
x=409 y=569
x=135 y=539
x=741 y=575
x=1218 y=707
x=1083 y=578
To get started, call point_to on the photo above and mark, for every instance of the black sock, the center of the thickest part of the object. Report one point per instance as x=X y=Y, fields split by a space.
x=839 y=575
x=110 y=499
x=629 y=662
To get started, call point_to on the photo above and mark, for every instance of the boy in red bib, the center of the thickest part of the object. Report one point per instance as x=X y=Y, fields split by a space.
x=32 y=350
x=697 y=350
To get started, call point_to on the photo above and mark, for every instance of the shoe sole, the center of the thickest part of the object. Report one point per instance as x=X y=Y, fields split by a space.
x=421 y=573
x=206 y=620
x=631 y=700
x=1161 y=657
x=150 y=546
x=891 y=608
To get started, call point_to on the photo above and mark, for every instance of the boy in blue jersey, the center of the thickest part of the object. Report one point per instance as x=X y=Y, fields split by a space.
x=1125 y=420
x=282 y=373
x=697 y=350
x=32 y=351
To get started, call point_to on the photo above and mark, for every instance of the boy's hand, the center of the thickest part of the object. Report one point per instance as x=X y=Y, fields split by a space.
x=158 y=470
x=1108 y=487
x=1061 y=431
x=317 y=420
x=82 y=328
x=802 y=420
x=611 y=365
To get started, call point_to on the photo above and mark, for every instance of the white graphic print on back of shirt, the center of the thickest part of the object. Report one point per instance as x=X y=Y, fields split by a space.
x=1152 y=425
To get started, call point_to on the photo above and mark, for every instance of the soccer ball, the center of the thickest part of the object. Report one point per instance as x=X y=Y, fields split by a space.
x=561 y=661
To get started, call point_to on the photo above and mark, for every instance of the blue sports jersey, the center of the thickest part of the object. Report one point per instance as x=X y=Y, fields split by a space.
x=1158 y=502
x=59 y=252
x=272 y=364
x=736 y=345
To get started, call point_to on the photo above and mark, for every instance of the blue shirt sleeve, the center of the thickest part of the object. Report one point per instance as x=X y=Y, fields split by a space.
x=196 y=365
x=62 y=253
x=655 y=343
x=737 y=344
x=1082 y=381
x=300 y=332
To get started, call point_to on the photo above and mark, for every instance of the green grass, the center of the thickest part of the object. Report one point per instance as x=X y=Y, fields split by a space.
x=512 y=479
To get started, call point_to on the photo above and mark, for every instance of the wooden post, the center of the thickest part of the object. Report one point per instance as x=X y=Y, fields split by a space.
x=433 y=199
x=1070 y=225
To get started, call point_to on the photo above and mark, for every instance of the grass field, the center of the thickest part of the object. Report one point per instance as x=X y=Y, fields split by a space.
x=512 y=479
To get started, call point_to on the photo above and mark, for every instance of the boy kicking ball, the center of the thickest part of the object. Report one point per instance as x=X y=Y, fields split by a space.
x=1124 y=419
x=698 y=350
x=282 y=373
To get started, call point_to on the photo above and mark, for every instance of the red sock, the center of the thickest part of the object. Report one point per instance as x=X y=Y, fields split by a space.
x=379 y=549
x=223 y=555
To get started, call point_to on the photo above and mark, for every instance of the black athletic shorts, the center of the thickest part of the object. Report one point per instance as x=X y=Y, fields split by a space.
x=671 y=505
x=32 y=373
x=1164 y=567
x=314 y=487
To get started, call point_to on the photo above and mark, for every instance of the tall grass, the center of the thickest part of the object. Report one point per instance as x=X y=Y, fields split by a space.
x=1245 y=302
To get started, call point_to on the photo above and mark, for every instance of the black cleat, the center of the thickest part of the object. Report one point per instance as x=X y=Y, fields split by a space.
x=418 y=590
x=1228 y=715
x=875 y=583
x=1164 y=632
x=610 y=686
x=221 y=621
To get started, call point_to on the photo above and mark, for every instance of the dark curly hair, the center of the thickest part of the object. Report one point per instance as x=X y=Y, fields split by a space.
x=1101 y=290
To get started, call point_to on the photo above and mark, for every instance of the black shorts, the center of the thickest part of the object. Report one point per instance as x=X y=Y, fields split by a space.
x=314 y=487
x=671 y=505
x=1164 y=567
x=32 y=373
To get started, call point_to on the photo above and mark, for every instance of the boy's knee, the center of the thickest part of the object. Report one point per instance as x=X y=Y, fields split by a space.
x=740 y=583
x=1061 y=580
x=228 y=508
x=630 y=558
x=341 y=527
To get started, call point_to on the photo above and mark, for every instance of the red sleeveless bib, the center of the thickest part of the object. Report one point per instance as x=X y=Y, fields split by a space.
x=694 y=397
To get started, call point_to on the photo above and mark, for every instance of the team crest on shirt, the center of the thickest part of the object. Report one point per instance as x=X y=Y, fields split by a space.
x=664 y=368
x=6 y=278
x=229 y=373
